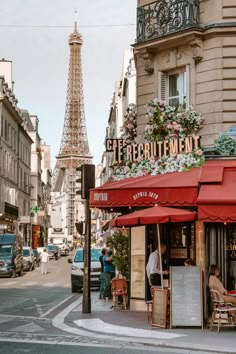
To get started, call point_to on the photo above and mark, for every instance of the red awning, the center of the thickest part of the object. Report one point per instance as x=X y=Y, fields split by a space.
x=217 y=202
x=154 y=215
x=177 y=188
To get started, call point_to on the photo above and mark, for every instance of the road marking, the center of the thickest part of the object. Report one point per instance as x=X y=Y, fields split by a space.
x=47 y=285
x=9 y=283
x=56 y=306
x=97 y=325
x=38 y=307
x=28 y=328
x=18 y=317
x=77 y=344
x=30 y=283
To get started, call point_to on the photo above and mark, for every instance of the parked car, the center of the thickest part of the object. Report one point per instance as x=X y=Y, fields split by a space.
x=231 y=132
x=65 y=250
x=28 y=259
x=54 y=252
x=77 y=269
x=11 y=257
x=36 y=257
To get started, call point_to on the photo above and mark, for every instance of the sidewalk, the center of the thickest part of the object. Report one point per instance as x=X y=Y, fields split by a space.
x=133 y=327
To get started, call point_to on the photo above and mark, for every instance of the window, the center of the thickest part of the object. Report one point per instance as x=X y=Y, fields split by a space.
x=174 y=87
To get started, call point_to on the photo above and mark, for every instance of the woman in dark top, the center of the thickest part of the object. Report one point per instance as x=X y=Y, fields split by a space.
x=101 y=293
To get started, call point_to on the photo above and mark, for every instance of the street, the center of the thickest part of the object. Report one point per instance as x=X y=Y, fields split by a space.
x=30 y=307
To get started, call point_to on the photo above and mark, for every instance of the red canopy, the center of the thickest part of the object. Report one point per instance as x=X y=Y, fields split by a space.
x=171 y=189
x=217 y=202
x=154 y=215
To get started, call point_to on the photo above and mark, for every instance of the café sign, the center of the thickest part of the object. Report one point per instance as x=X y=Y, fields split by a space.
x=146 y=151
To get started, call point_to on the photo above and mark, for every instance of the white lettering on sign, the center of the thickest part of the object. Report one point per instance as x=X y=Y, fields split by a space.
x=100 y=196
x=145 y=194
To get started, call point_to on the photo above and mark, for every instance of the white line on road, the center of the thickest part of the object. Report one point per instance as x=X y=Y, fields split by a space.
x=56 y=306
x=16 y=317
x=30 y=283
x=38 y=307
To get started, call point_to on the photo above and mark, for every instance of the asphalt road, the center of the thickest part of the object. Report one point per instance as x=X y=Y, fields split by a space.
x=34 y=294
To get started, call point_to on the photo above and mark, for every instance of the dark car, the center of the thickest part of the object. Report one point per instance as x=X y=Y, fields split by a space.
x=54 y=252
x=11 y=257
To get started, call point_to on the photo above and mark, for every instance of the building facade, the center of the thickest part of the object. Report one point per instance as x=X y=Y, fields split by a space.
x=186 y=55
x=15 y=147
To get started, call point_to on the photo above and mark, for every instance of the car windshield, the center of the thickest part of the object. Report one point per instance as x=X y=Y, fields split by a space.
x=95 y=254
x=5 y=250
x=35 y=252
x=26 y=253
x=52 y=248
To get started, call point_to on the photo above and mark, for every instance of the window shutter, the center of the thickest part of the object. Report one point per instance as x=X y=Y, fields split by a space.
x=162 y=85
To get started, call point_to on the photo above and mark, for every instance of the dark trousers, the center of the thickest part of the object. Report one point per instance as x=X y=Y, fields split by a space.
x=155 y=279
x=107 y=283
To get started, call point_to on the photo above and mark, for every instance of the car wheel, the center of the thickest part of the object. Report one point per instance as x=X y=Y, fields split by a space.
x=74 y=289
x=13 y=273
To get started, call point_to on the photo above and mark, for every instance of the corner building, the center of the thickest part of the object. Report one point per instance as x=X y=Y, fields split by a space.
x=185 y=52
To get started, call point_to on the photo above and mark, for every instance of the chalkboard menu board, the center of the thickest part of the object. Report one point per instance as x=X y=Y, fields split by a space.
x=186 y=297
x=159 y=307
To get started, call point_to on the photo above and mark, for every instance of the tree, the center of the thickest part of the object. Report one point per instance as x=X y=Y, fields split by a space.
x=119 y=244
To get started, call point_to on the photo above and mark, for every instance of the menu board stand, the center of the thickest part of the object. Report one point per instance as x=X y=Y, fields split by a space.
x=186 y=307
x=159 y=307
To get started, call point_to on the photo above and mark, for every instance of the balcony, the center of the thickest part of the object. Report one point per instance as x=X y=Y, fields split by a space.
x=163 y=17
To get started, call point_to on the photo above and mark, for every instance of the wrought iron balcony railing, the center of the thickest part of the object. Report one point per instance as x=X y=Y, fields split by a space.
x=163 y=17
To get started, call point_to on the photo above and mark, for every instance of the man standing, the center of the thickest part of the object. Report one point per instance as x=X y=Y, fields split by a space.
x=154 y=266
x=101 y=293
x=44 y=261
x=109 y=273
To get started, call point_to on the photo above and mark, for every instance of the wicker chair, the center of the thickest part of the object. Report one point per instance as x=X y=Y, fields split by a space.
x=223 y=314
x=119 y=291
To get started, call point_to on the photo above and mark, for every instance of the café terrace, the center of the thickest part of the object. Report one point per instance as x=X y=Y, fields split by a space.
x=146 y=151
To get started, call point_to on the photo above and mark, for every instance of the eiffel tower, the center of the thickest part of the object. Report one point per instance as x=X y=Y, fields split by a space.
x=74 y=149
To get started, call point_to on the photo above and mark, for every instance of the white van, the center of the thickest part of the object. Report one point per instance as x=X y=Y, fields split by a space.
x=77 y=269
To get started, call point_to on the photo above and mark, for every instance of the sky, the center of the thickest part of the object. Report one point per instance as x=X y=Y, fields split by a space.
x=34 y=36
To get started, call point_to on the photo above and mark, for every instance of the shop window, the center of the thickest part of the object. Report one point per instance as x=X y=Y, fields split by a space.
x=174 y=87
x=181 y=243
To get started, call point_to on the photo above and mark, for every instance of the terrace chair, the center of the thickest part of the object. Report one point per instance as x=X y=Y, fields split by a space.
x=119 y=292
x=223 y=314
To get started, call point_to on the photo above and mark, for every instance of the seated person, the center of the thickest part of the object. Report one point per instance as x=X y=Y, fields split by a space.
x=215 y=283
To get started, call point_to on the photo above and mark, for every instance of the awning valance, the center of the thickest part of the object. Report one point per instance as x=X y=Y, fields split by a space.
x=217 y=202
x=171 y=189
x=154 y=215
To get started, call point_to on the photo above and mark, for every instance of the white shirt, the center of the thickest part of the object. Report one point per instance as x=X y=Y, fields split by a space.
x=153 y=265
x=44 y=257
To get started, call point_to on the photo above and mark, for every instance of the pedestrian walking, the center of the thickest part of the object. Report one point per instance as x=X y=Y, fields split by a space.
x=44 y=261
x=102 y=286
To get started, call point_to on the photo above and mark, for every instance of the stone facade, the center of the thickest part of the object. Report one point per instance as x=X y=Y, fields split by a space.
x=207 y=55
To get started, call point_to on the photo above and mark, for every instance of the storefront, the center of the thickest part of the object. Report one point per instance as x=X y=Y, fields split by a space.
x=211 y=239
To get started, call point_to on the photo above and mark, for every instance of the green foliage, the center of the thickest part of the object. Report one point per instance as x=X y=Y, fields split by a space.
x=119 y=244
x=225 y=145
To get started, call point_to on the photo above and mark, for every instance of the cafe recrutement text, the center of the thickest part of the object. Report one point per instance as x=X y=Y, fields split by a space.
x=146 y=151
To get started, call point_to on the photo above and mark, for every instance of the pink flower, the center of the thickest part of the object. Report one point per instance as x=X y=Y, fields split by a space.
x=199 y=152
